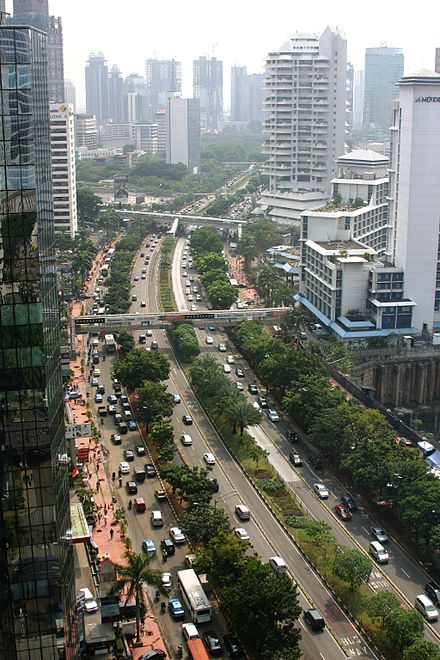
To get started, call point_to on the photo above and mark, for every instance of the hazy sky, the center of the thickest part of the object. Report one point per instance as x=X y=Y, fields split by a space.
x=236 y=31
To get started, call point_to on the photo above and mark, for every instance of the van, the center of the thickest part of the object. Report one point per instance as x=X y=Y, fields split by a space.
x=139 y=473
x=426 y=608
x=128 y=415
x=139 y=504
x=123 y=428
x=314 y=619
x=189 y=631
x=156 y=518
x=90 y=604
x=378 y=552
x=142 y=339
x=242 y=512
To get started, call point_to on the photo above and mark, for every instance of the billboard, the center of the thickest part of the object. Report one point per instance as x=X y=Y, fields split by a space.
x=120 y=187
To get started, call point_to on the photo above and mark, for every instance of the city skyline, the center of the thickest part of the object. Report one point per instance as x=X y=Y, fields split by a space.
x=226 y=37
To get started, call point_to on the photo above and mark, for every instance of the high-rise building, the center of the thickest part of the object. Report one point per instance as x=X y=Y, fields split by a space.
x=135 y=84
x=97 y=96
x=145 y=137
x=183 y=132
x=349 y=105
x=86 y=131
x=37 y=598
x=437 y=60
x=383 y=68
x=161 y=77
x=70 y=94
x=115 y=95
x=160 y=118
x=62 y=147
x=208 y=88
x=247 y=95
x=358 y=99
x=134 y=107
x=305 y=104
x=36 y=13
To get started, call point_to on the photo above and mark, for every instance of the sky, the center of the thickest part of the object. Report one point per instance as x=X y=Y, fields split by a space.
x=236 y=31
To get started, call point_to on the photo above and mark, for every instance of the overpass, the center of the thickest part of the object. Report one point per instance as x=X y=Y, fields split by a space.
x=209 y=221
x=130 y=322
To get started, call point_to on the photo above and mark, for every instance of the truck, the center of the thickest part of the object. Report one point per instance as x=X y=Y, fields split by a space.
x=196 y=649
x=110 y=343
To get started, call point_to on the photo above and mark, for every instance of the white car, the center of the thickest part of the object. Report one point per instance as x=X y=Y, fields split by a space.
x=240 y=386
x=166 y=580
x=242 y=534
x=177 y=535
x=278 y=564
x=273 y=415
x=321 y=491
x=186 y=440
x=194 y=308
x=148 y=333
x=90 y=604
x=256 y=405
x=190 y=297
x=124 y=467
x=230 y=359
x=226 y=368
x=184 y=274
x=209 y=458
x=222 y=348
x=209 y=340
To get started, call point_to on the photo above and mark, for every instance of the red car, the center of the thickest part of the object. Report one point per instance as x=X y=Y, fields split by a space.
x=342 y=512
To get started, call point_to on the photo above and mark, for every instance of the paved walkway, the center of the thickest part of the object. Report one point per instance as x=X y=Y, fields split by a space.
x=236 y=268
x=106 y=533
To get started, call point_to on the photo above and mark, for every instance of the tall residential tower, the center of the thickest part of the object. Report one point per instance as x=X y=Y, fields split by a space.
x=96 y=73
x=161 y=77
x=208 y=87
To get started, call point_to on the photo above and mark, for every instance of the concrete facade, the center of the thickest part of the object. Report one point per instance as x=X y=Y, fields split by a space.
x=62 y=148
x=183 y=132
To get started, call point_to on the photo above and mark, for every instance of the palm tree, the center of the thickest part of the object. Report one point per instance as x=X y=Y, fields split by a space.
x=131 y=579
x=206 y=374
x=241 y=413
x=226 y=394
x=266 y=282
x=81 y=263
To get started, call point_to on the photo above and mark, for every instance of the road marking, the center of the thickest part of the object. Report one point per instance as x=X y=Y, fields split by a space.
x=403 y=571
x=365 y=530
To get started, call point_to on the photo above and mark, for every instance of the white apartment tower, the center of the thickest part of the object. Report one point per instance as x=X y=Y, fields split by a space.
x=62 y=146
x=183 y=132
x=305 y=104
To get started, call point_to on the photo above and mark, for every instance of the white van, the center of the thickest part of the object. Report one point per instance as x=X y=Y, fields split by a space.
x=242 y=512
x=90 y=604
x=426 y=607
x=189 y=631
x=378 y=552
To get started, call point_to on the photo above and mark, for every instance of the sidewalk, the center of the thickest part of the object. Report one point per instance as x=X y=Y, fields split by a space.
x=236 y=268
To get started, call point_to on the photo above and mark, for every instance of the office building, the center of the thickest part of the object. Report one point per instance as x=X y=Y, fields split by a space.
x=305 y=125
x=115 y=95
x=183 y=132
x=70 y=94
x=208 y=88
x=86 y=131
x=160 y=118
x=383 y=68
x=134 y=102
x=358 y=99
x=97 y=96
x=36 y=13
x=144 y=136
x=247 y=95
x=161 y=78
x=349 y=99
x=113 y=136
x=62 y=148
x=37 y=599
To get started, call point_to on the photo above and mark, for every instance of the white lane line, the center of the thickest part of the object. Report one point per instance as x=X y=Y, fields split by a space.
x=403 y=571
x=365 y=530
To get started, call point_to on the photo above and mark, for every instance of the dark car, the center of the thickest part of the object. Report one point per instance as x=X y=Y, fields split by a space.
x=128 y=455
x=140 y=450
x=213 y=643
x=262 y=401
x=232 y=646
x=132 y=426
x=239 y=372
x=150 y=470
x=252 y=388
x=168 y=546
x=314 y=619
x=154 y=654
x=160 y=495
x=187 y=420
x=132 y=488
x=214 y=484
x=154 y=346
x=291 y=434
x=349 y=501
x=212 y=328
x=432 y=590
x=116 y=439
x=315 y=461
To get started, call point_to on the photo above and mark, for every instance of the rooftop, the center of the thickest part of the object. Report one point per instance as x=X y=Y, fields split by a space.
x=364 y=155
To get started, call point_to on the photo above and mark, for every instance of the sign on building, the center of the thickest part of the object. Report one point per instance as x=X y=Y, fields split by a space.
x=78 y=430
x=120 y=187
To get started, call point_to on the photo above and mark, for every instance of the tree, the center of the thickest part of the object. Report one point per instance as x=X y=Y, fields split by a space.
x=131 y=579
x=241 y=413
x=222 y=558
x=381 y=605
x=140 y=365
x=162 y=435
x=184 y=339
x=353 y=567
x=203 y=523
x=404 y=627
x=211 y=261
x=108 y=221
x=208 y=277
x=221 y=294
x=422 y=649
x=191 y=484
x=153 y=403
x=88 y=205
x=125 y=342
x=206 y=375
x=206 y=240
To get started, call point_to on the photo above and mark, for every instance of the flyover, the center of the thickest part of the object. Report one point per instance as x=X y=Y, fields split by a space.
x=209 y=221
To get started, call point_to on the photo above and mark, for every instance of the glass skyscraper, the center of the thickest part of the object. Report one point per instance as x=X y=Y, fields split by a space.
x=36 y=558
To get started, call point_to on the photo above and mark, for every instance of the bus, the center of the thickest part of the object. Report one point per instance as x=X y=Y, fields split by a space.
x=194 y=596
x=196 y=649
x=110 y=344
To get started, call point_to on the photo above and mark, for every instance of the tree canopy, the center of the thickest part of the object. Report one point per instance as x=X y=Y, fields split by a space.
x=140 y=365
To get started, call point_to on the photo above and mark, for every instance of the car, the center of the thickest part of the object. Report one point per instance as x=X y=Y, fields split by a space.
x=232 y=646
x=143 y=303
x=315 y=462
x=140 y=450
x=291 y=434
x=94 y=382
x=136 y=278
x=213 y=643
x=321 y=491
x=209 y=458
x=112 y=398
x=116 y=439
x=230 y=359
x=97 y=372
x=242 y=512
x=212 y=328
x=226 y=369
x=256 y=405
x=239 y=386
x=273 y=415
x=209 y=340
x=148 y=333
x=143 y=276
x=175 y=608
x=342 y=512
x=222 y=348
x=349 y=501
x=124 y=399
x=186 y=439
x=295 y=459
x=177 y=535
x=378 y=552
x=154 y=654
x=90 y=604
x=100 y=389
x=190 y=297
x=214 y=484
x=132 y=426
x=156 y=518
x=242 y=534
x=314 y=619
x=111 y=410
x=187 y=420
x=150 y=470
x=160 y=495
x=378 y=534
x=128 y=454
x=167 y=546
x=176 y=398
x=253 y=389
x=98 y=398
x=278 y=564
x=184 y=273
x=124 y=467
x=74 y=395
x=194 y=308
x=132 y=488
x=239 y=372
x=154 y=346
x=432 y=590
x=149 y=546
